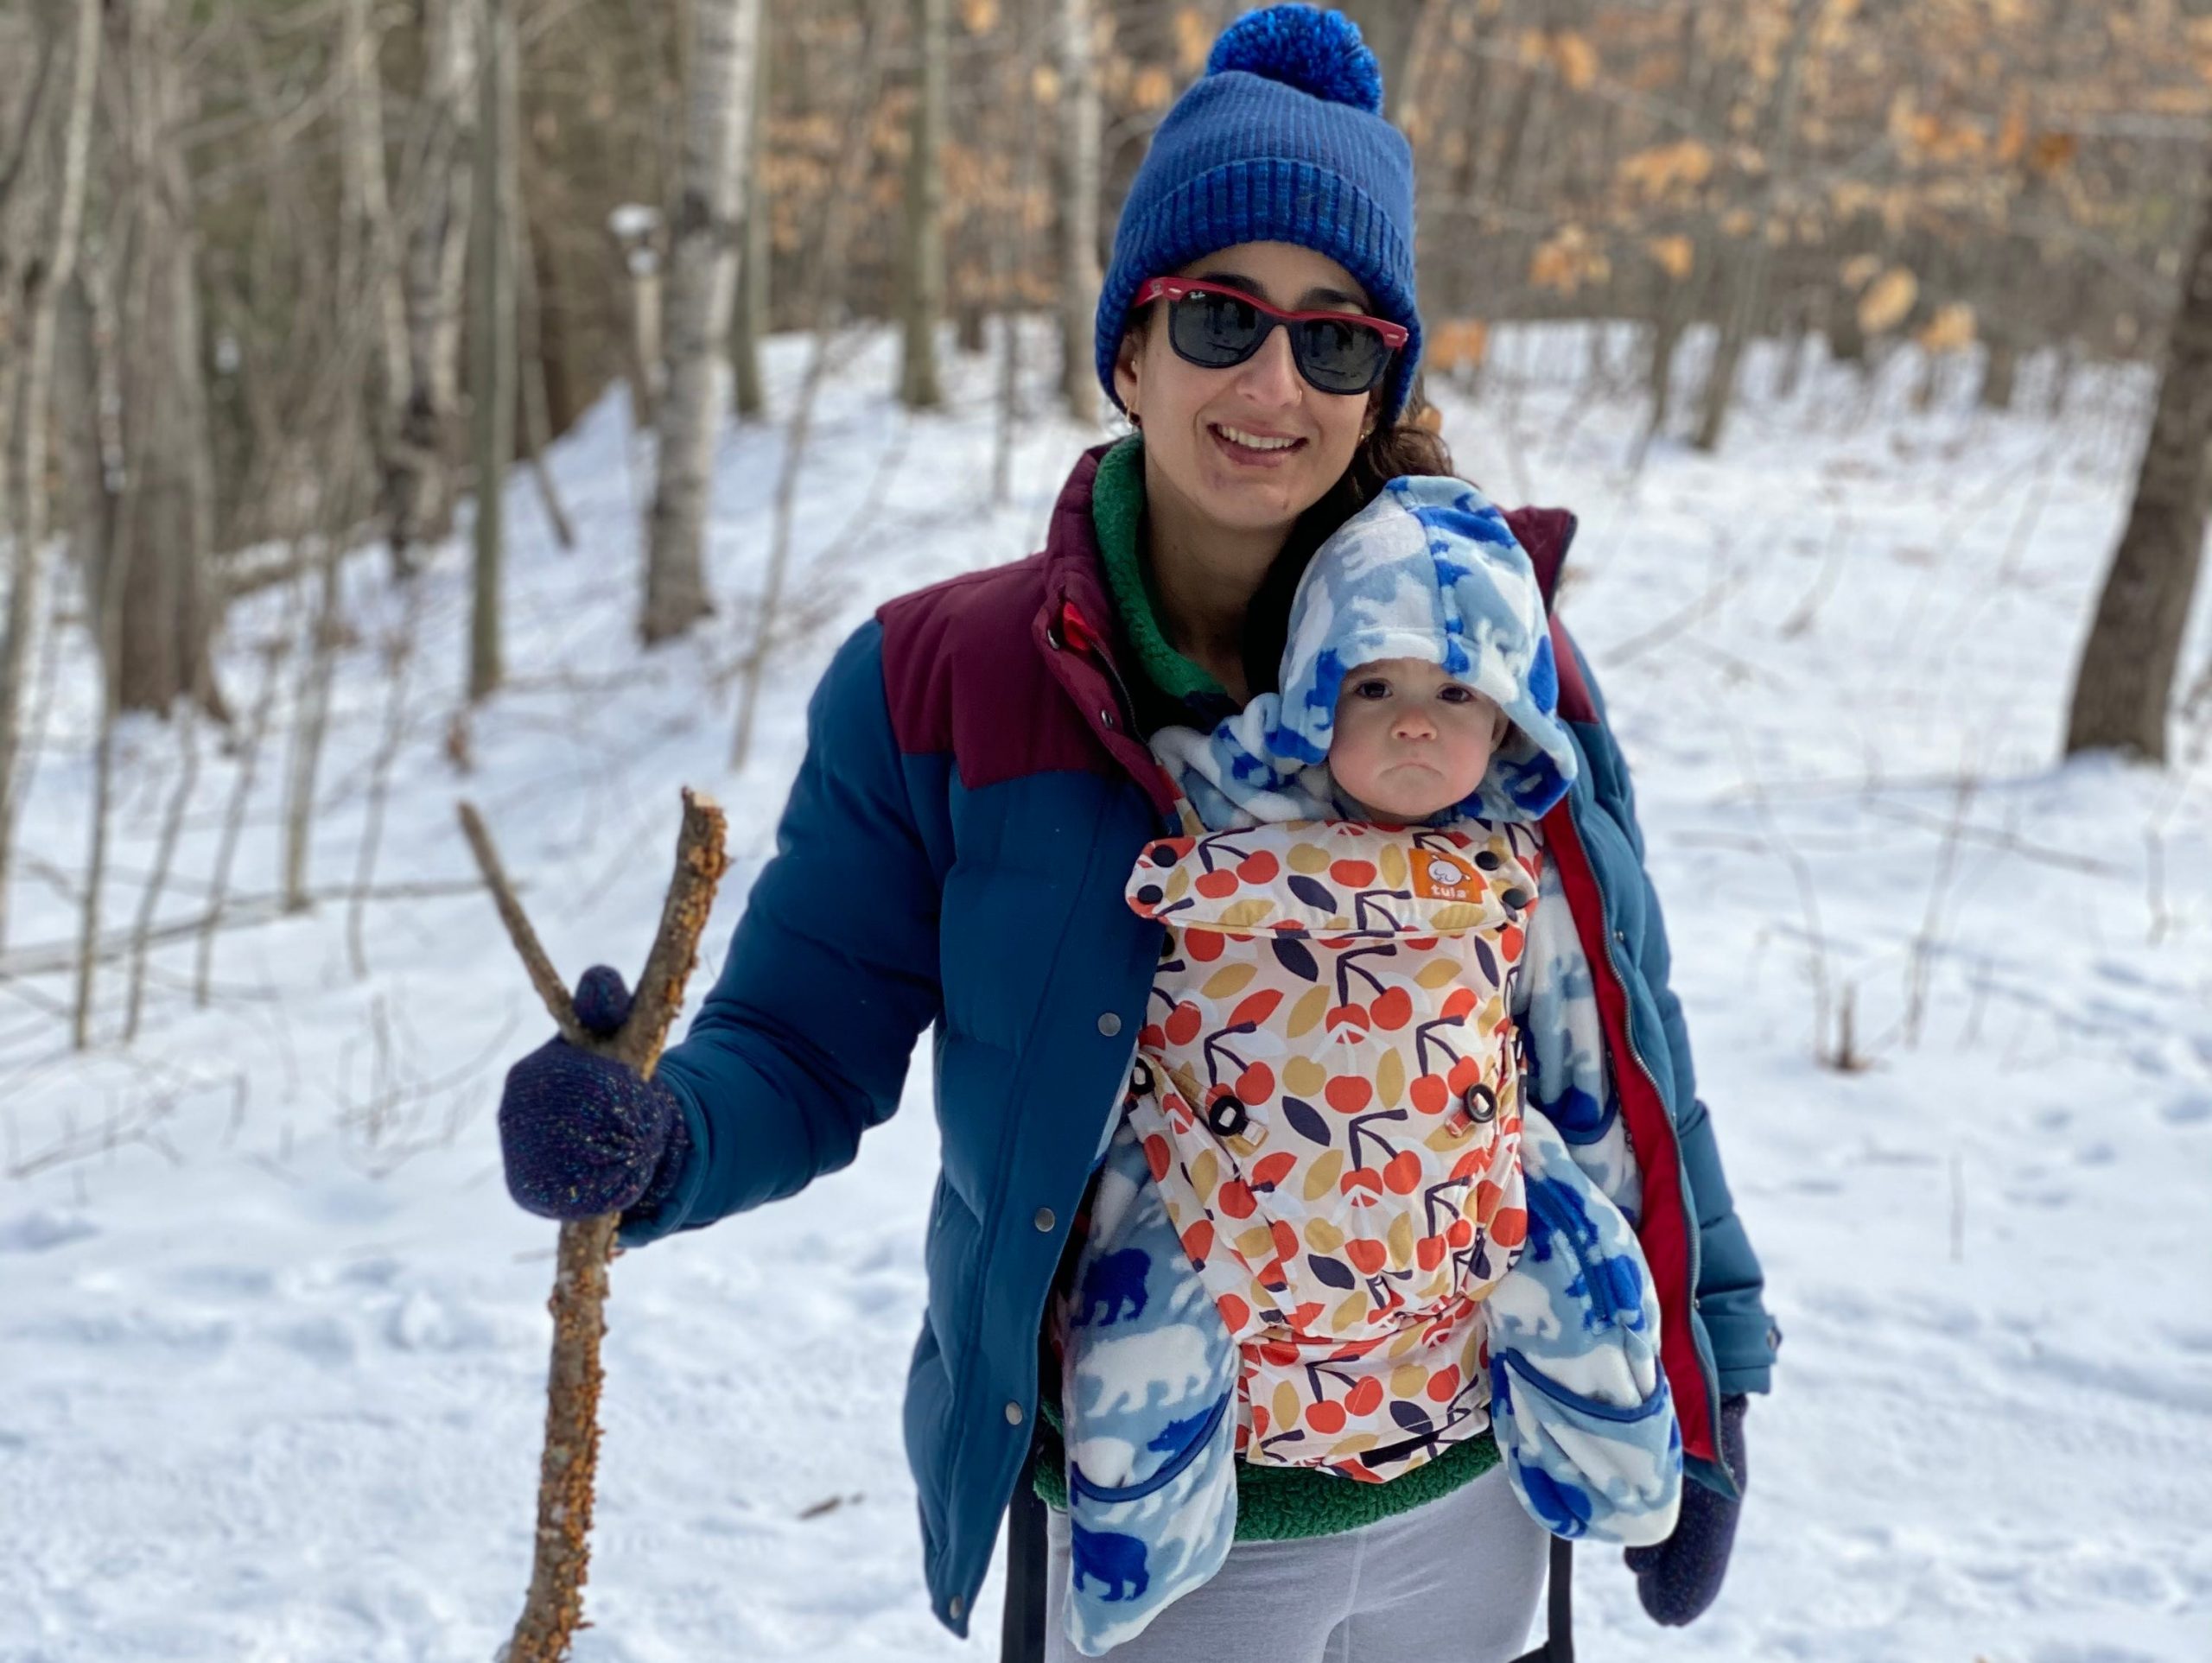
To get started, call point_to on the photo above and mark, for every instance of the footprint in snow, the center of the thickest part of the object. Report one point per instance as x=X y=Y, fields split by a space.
x=423 y=1322
x=43 y=1230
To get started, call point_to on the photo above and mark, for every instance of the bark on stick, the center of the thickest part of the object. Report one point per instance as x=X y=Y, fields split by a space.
x=554 y=1608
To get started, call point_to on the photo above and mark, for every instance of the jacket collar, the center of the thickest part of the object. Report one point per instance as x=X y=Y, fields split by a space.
x=1547 y=534
x=1077 y=632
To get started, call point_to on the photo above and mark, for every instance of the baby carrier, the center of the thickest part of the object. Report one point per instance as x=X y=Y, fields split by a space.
x=1352 y=1212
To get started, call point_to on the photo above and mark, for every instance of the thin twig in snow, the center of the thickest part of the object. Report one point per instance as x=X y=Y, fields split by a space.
x=234 y=820
x=399 y=657
x=1923 y=944
x=172 y=823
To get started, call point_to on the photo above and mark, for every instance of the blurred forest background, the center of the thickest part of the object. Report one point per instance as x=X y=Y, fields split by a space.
x=279 y=279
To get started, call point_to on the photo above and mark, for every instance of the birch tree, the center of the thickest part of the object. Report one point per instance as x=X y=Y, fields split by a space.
x=29 y=315
x=417 y=481
x=2126 y=680
x=702 y=260
x=1080 y=121
x=493 y=325
x=921 y=301
x=369 y=275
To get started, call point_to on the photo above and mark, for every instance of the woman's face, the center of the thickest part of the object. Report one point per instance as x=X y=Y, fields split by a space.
x=1218 y=437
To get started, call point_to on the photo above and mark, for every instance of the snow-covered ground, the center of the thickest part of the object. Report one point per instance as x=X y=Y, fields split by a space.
x=273 y=1339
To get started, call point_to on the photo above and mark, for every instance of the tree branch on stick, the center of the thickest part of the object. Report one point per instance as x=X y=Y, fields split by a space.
x=554 y=1608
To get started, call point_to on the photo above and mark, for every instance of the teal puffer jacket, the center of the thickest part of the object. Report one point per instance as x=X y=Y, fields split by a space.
x=953 y=856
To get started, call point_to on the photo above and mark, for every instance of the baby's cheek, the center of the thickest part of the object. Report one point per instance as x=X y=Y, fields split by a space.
x=1351 y=760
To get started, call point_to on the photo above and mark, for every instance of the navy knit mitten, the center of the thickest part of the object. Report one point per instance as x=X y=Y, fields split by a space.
x=1678 y=1578
x=583 y=1135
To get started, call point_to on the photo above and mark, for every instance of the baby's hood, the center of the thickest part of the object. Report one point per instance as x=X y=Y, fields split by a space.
x=1429 y=571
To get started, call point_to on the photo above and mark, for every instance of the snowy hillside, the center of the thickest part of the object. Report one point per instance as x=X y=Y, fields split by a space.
x=273 y=1338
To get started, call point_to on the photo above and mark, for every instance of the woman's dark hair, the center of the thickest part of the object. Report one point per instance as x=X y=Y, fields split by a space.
x=1409 y=445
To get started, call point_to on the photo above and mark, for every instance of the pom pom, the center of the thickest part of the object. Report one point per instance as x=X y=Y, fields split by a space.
x=603 y=1001
x=1315 y=51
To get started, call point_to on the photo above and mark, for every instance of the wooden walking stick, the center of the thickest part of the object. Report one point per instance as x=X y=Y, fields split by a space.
x=554 y=1609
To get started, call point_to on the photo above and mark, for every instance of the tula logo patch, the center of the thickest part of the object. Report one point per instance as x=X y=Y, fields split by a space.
x=1440 y=877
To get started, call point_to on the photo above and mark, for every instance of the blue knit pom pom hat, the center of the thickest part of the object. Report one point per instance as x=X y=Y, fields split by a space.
x=1282 y=141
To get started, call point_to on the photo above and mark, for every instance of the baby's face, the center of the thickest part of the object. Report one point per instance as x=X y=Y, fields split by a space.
x=1409 y=741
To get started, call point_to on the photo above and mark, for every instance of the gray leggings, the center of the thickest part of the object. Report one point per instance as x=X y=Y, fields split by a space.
x=1455 y=1580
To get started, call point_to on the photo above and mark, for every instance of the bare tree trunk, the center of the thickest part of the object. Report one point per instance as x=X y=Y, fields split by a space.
x=1677 y=308
x=701 y=275
x=822 y=290
x=1749 y=289
x=23 y=202
x=1012 y=255
x=108 y=613
x=43 y=283
x=418 y=480
x=971 y=317
x=1081 y=124
x=922 y=275
x=2000 y=369
x=310 y=723
x=492 y=390
x=161 y=519
x=530 y=341
x=2126 y=676
x=1388 y=27
x=1789 y=372
x=150 y=899
x=751 y=327
x=369 y=274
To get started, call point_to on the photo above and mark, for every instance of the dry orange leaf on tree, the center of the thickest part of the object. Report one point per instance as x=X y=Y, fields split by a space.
x=1887 y=300
x=1951 y=330
x=1663 y=167
x=1676 y=255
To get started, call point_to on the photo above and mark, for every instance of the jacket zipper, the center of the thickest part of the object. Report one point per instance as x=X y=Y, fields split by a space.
x=1037 y=1318
x=1083 y=639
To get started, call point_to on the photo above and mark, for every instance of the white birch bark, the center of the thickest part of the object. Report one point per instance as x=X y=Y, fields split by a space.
x=370 y=274
x=493 y=389
x=418 y=480
x=703 y=269
x=26 y=458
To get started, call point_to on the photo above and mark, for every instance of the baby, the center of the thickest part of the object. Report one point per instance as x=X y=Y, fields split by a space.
x=1369 y=1194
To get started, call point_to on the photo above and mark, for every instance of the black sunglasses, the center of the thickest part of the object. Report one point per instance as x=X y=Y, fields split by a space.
x=1217 y=327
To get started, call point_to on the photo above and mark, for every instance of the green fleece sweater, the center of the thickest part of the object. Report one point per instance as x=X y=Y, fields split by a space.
x=1273 y=1503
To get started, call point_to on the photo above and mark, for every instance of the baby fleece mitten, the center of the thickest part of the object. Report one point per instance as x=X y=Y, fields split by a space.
x=1678 y=1578
x=583 y=1135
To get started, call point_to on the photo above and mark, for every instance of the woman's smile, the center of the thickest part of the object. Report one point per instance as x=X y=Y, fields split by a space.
x=1256 y=448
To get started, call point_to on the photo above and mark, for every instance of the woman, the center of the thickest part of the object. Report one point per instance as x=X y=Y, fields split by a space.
x=979 y=749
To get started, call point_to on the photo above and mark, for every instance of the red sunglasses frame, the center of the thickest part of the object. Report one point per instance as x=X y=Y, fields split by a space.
x=1395 y=335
